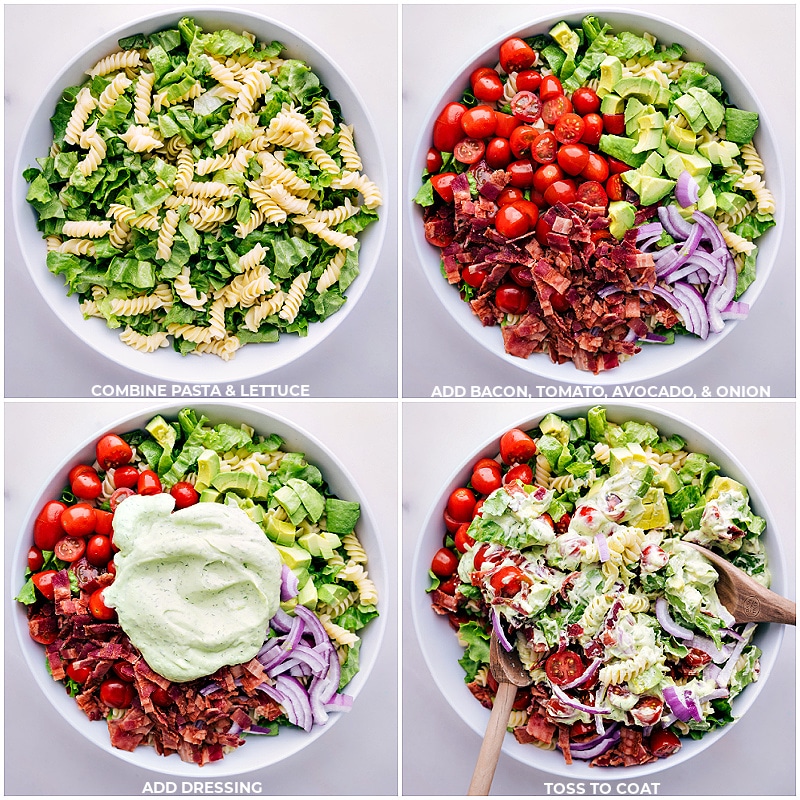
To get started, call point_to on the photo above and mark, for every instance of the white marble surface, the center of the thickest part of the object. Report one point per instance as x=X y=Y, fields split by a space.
x=44 y=756
x=759 y=39
x=68 y=368
x=755 y=758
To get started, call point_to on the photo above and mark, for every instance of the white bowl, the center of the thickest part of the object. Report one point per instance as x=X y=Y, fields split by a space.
x=166 y=364
x=654 y=360
x=441 y=650
x=257 y=752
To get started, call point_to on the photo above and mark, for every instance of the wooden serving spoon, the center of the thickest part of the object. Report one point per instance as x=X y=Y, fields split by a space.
x=746 y=599
x=509 y=674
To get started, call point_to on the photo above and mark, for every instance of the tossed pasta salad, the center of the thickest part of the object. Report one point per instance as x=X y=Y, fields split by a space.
x=199 y=584
x=202 y=190
x=570 y=546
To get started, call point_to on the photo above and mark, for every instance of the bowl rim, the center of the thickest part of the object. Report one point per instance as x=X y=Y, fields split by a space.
x=470 y=712
x=539 y=364
x=250 y=362
x=145 y=757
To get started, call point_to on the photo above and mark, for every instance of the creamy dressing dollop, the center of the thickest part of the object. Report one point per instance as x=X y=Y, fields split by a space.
x=196 y=588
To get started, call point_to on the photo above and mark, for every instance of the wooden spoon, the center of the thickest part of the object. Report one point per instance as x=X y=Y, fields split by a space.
x=509 y=674
x=746 y=599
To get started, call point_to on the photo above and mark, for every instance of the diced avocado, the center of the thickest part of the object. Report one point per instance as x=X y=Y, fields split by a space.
x=713 y=110
x=302 y=575
x=162 y=432
x=691 y=517
x=621 y=148
x=629 y=455
x=312 y=500
x=655 y=513
x=664 y=97
x=554 y=426
x=707 y=202
x=680 y=138
x=280 y=530
x=653 y=166
x=683 y=499
x=332 y=593
x=566 y=38
x=622 y=217
x=241 y=483
x=649 y=139
x=209 y=496
x=289 y=605
x=692 y=110
x=262 y=490
x=610 y=74
x=208 y=467
x=721 y=484
x=651 y=190
x=291 y=502
x=321 y=544
x=730 y=202
x=307 y=596
x=341 y=515
x=668 y=479
x=693 y=163
x=294 y=556
x=740 y=125
x=255 y=512
x=633 y=108
x=612 y=104
x=646 y=89
x=721 y=152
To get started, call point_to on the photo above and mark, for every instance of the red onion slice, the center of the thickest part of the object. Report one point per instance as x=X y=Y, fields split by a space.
x=669 y=624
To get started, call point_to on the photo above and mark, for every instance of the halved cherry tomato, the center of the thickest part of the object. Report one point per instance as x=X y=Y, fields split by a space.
x=522 y=139
x=615 y=189
x=592 y=129
x=585 y=100
x=516 y=446
x=519 y=472
x=509 y=195
x=103 y=522
x=508 y=581
x=516 y=55
x=443 y=186
x=69 y=548
x=521 y=275
x=596 y=168
x=185 y=494
x=43 y=581
x=462 y=539
x=486 y=476
x=116 y=693
x=486 y=85
x=498 y=153
x=113 y=451
x=118 y=496
x=561 y=192
x=461 y=504
x=126 y=477
x=569 y=128
x=36 y=559
x=647 y=710
x=526 y=106
x=86 y=575
x=47 y=528
x=98 y=608
x=511 y=222
x=447 y=131
x=555 y=108
x=79 y=520
x=79 y=674
x=469 y=151
x=433 y=161
x=148 y=483
x=614 y=124
x=564 y=667
x=512 y=299
x=124 y=671
x=98 y=550
x=592 y=193
x=544 y=148
x=545 y=175
x=550 y=87
x=573 y=158
x=663 y=743
x=528 y=80
x=444 y=563
x=474 y=277
x=505 y=124
x=479 y=122
x=521 y=173
x=531 y=210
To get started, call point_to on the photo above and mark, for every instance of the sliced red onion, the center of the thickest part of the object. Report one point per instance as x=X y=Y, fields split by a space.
x=606 y=291
x=597 y=749
x=674 y=224
x=716 y=694
x=271 y=692
x=339 y=702
x=602 y=547
x=718 y=655
x=263 y=731
x=209 y=689
x=735 y=310
x=692 y=706
x=318 y=633
x=710 y=228
x=655 y=338
x=649 y=229
x=687 y=189
x=585 y=675
x=677 y=704
x=296 y=703
x=589 y=743
x=669 y=624
x=290 y=586
x=576 y=704
x=698 y=315
x=497 y=627
x=725 y=673
x=281 y=621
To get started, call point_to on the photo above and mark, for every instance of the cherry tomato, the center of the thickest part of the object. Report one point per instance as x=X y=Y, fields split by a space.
x=663 y=743
x=43 y=628
x=528 y=80
x=160 y=697
x=512 y=299
x=98 y=550
x=479 y=556
x=520 y=173
x=98 y=608
x=433 y=160
x=79 y=520
x=555 y=108
x=479 y=122
x=47 y=528
x=124 y=671
x=647 y=710
x=126 y=477
x=615 y=189
x=103 y=521
x=614 y=124
x=531 y=210
x=508 y=581
x=544 y=148
x=561 y=192
x=592 y=193
x=573 y=158
x=559 y=302
x=148 y=483
x=447 y=131
x=509 y=195
x=469 y=151
x=185 y=494
x=35 y=559
x=564 y=667
x=542 y=229
x=616 y=166
x=516 y=446
x=116 y=693
x=522 y=276
x=473 y=277
x=516 y=55
x=87 y=485
x=550 y=87
x=592 y=129
x=485 y=479
x=461 y=504
x=476 y=512
x=486 y=85
x=118 y=496
x=444 y=563
x=526 y=106
x=511 y=222
x=522 y=700
x=546 y=175
x=443 y=186
x=519 y=472
x=86 y=575
x=498 y=153
x=522 y=139
x=43 y=581
x=68 y=548
x=505 y=124
x=569 y=128
x=112 y=451
x=462 y=539
x=78 y=469
x=79 y=674
x=585 y=100
x=596 y=168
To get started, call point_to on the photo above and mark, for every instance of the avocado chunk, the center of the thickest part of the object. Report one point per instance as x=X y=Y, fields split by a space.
x=341 y=515
x=294 y=556
x=612 y=104
x=730 y=202
x=621 y=148
x=692 y=110
x=307 y=596
x=646 y=89
x=622 y=217
x=208 y=467
x=681 y=139
x=650 y=131
x=553 y=425
x=332 y=593
x=633 y=108
x=707 y=202
x=653 y=166
x=655 y=512
x=693 y=163
x=713 y=110
x=649 y=189
x=720 y=484
x=321 y=544
x=740 y=125
x=668 y=480
x=209 y=496
x=610 y=74
x=312 y=500
x=291 y=502
x=241 y=483
x=721 y=153
x=280 y=530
